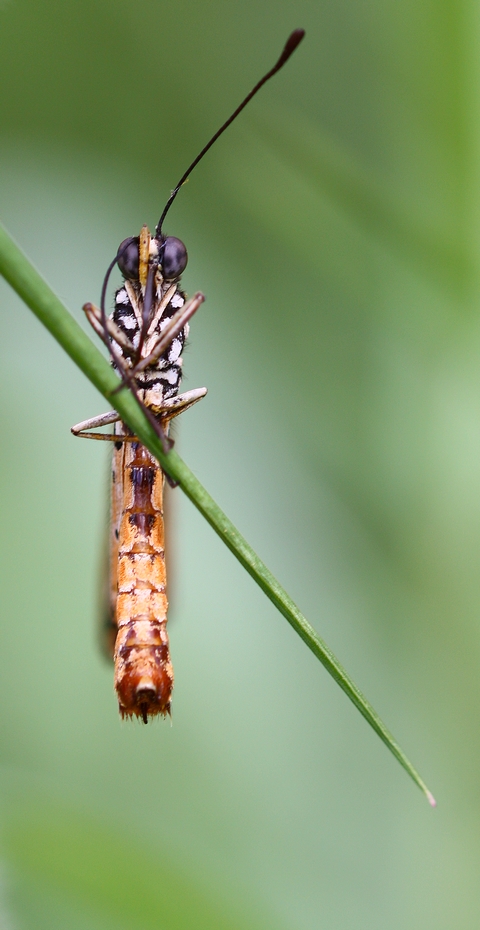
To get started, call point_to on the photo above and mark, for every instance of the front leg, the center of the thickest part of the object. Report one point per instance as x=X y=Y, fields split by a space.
x=178 y=322
x=94 y=317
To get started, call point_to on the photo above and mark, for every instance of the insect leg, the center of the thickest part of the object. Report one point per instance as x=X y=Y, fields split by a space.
x=104 y=419
x=175 y=325
x=181 y=402
x=94 y=317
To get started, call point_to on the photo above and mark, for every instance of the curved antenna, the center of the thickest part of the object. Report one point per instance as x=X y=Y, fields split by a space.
x=293 y=40
x=104 y=292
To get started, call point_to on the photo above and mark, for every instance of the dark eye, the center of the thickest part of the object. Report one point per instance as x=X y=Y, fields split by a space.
x=173 y=257
x=128 y=258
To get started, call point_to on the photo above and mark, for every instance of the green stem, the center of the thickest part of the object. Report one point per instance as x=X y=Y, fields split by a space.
x=36 y=293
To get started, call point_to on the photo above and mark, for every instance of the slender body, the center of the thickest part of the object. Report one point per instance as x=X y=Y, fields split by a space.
x=146 y=334
x=145 y=337
x=143 y=669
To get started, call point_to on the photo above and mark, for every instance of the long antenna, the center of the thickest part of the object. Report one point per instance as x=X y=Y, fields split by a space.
x=293 y=40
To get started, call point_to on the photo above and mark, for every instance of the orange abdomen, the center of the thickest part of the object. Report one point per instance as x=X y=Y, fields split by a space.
x=143 y=671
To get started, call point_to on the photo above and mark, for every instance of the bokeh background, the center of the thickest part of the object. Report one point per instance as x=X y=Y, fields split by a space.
x=335 y=231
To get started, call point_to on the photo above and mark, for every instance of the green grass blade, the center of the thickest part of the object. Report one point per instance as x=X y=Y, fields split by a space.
x=30 y=286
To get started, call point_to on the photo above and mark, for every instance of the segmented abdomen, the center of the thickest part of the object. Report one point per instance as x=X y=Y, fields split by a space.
x=143 y=671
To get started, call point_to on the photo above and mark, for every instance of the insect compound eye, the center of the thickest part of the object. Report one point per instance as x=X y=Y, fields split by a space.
x=128 y=258
x=173 y=257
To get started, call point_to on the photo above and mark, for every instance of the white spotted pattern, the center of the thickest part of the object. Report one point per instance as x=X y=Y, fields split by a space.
x=129 y=321
x=175 y=350
x=161 y=380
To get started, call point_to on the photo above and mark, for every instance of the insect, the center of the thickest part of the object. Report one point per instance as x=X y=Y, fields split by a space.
x=145 y=336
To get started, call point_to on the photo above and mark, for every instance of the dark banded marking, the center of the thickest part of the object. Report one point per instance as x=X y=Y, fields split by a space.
x=143 y=670
x=166 y=373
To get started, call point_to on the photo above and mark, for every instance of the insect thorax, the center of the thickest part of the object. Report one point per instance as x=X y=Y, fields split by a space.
x=160 y=380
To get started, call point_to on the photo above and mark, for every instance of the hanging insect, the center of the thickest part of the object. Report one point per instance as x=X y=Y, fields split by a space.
x=145 y=336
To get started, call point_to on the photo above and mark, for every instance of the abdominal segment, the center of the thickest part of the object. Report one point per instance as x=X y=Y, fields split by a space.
x=143 y=671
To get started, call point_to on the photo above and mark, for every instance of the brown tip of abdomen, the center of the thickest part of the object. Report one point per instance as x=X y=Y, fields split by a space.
x=143 y=671
x=145 y=695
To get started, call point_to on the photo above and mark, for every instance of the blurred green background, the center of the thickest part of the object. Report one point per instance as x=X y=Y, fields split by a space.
x=335 y=231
